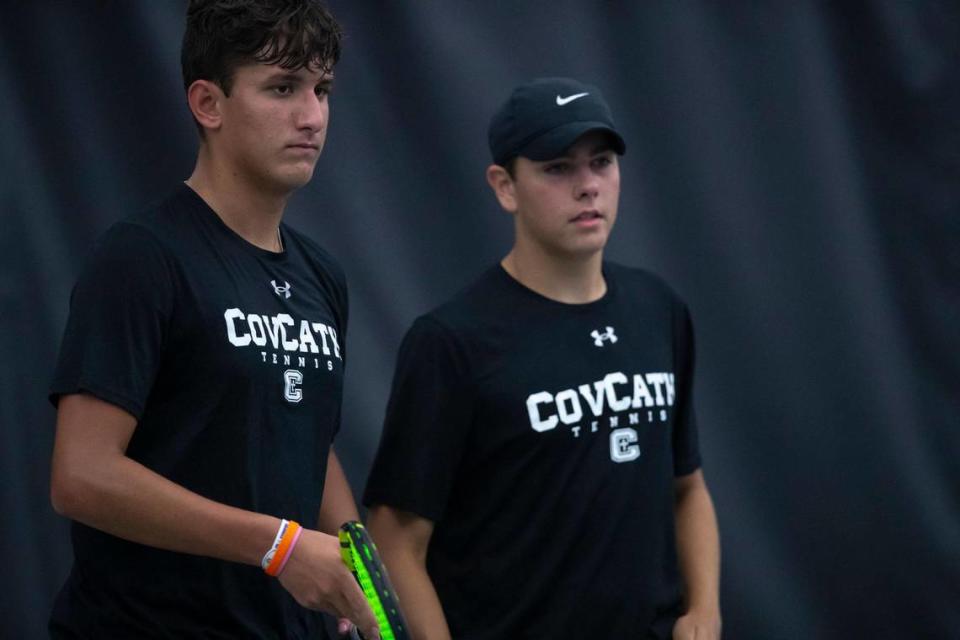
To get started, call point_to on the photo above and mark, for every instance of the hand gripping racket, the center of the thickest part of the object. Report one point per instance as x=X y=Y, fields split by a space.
x=361 y=557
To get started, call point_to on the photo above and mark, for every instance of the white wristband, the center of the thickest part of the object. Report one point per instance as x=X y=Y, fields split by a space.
x=276 y=543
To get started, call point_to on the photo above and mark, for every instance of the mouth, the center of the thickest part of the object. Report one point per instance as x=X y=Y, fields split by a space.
x=308 y=146
x=587 y=216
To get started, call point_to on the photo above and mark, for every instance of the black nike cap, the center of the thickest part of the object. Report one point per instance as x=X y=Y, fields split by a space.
x=542 y=118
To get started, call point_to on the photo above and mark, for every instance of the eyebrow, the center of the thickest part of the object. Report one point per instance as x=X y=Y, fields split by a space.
x=597 y=150
x=283 y=76
x=289 y=76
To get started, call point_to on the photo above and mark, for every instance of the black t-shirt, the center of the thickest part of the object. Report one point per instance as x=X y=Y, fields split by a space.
x=231 y=359
x=543 y=440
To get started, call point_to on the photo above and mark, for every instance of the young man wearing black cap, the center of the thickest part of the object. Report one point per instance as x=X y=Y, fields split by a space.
x=539 y=474
x=199 y=381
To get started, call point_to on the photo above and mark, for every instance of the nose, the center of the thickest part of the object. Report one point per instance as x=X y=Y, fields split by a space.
x=587 y=185
x=313 y=112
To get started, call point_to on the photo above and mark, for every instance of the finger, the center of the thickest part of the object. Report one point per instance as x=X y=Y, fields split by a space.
x=352 y=604
x=345 y=608
x=368 y=622
x=343 y=626
x=365 y=620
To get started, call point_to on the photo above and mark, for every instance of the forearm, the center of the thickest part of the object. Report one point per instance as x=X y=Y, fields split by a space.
x=338 y=505
x=402 y=539
x=698 y=548
x=94 y=482
x=122 y=497
x=417 y=596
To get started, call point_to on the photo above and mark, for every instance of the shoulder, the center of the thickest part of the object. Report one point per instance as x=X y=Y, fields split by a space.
x=474 y=308
x=457 y=326
x=636 y=281
x=156 y=227
x=314 y=254
x=128 y=247
x=148 y=246
x=128 y=267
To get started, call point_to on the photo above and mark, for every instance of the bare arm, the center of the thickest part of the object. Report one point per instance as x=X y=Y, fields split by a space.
x=402 y=539
x=94 y=482
x=338 y=505
x=698 y=548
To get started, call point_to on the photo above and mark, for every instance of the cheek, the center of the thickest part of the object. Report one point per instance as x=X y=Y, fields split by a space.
x=612 y=191
x=615 y=182
x=543 y=200
x=546 y=217
x=258 y=121
x=241 y=128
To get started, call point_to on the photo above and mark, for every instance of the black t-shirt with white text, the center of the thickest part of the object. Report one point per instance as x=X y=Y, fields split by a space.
x=231 y=359
x=543 y=440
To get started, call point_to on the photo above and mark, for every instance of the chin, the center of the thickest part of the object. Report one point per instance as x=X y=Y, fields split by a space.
x=588 y=246
x=581 y=253
x=295 y=179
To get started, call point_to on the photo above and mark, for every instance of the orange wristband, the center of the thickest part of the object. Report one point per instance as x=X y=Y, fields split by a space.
x=276 y=557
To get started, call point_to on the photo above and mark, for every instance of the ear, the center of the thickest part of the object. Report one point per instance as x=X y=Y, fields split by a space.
x=503 y=187
x=205 y=98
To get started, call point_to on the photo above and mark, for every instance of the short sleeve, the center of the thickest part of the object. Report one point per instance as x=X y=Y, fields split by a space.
x=686 y=451
x=119 y=312
x=427 y=422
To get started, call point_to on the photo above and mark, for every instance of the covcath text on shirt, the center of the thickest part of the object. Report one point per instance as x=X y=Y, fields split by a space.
x=245 y=329
x=547 y=410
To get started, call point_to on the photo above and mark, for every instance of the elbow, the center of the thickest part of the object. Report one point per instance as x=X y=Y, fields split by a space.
x=395 y=538
x=69 y=492
x=61 y=495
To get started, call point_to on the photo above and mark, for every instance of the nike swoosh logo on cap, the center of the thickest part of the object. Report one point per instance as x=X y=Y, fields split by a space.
x=569 y=99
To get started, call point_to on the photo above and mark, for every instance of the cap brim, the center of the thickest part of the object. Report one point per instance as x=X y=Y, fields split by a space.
x=555 y=142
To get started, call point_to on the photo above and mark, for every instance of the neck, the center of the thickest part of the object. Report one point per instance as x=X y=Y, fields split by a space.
x=251 y=212
x=572 y=281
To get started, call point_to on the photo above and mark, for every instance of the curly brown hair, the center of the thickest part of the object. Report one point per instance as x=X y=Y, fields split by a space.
x=223 y=34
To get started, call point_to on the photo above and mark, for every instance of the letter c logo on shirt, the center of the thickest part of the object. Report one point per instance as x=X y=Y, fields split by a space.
x=292 y=379
x=623 y=445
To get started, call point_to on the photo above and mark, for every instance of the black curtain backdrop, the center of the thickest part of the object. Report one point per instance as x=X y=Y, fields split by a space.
x=793 y=169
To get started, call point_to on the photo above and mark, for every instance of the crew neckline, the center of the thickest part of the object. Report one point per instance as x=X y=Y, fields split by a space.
x=232 y=235
x=529 y=293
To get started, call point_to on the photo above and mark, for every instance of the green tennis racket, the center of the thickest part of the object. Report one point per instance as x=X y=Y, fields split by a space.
x=360 y=555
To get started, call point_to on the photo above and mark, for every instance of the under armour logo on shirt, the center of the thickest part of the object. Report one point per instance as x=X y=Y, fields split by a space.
x=598 y=337
x=284 y=291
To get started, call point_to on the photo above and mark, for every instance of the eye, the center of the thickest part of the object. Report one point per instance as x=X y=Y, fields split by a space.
x=602 y=162
x=283 y=89
x=557 y=168
x=322 y=90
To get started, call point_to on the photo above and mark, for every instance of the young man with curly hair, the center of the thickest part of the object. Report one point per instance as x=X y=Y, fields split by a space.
x=199 y=381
